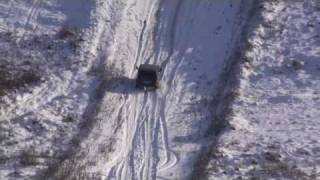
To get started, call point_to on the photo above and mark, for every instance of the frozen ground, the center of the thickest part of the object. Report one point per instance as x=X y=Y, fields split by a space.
x=275 y=126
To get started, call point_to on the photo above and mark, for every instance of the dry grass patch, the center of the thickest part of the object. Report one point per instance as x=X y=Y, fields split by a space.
x=13 y=79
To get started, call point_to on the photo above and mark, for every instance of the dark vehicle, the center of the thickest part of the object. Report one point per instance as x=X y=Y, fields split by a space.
x=148 y=76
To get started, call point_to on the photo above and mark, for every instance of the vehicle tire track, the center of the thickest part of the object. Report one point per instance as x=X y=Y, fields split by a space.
x=150 y=133
x=172 y=33
x=9 y=12
x=126 y=167
x=149 y=124
x=141 y=41
x=166 y=163
x=123 y=159
x=155 y=121
x=34 y=11
x=138 y=52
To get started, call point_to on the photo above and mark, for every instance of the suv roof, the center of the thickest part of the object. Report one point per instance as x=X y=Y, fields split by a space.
x=147 y=77
x=149 y=67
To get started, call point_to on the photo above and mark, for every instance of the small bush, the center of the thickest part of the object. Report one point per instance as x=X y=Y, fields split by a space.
x=28 y=158
x=70 y=35
x=11 y=79
x=70 y=170
x=297 y=65
x=3 y=157
x=65 y=33
x=68 y=119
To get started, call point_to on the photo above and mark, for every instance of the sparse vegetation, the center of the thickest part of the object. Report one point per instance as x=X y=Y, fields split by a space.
x=73 y=171
x=28 y=157
x=70 y=167
x=65 y=33
x=297 y=65
x=209 y=159
x=3 y=158
x=71 y=35
x=271 y=166
x=68 y=119
x=10 y=79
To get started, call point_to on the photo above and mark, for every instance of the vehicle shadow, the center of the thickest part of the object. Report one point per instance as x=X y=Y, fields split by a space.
x=122 y=85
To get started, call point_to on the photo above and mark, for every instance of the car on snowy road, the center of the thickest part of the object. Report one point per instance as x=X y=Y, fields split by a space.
x=148 y=76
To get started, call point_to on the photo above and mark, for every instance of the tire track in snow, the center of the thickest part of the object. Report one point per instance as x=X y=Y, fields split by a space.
x=143 y=133
x=149 y=124
x=170 y=159
x=126 y=165
x=154 y=126
x=151 y=132
x=4 y=27
x=32 y=14
x=127 y=139
x=159 y=124
x=138 y=52
x=10 y=8
x=172 y=34
x=141 y=41
x=124 y=160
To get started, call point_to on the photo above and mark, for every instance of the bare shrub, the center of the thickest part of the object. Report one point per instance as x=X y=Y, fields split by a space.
x=72 y=35
x=297 y=65
x=69 y=170
x=3 y=157
x=12 y=79
x=28 y=157
x=278 y=169
x=65 y=33
x=68 y=119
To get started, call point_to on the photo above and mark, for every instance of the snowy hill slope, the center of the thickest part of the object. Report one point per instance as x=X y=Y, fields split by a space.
x=275 y=127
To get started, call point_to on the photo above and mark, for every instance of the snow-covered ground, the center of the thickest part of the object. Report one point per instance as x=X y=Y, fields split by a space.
x=157 y=135
x=45 y=88
x=68 y=102
x=55 y=53
x=275 y=125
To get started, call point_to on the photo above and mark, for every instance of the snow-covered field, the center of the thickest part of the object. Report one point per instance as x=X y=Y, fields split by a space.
x=69 y=68
x=45 y=89
x=275 y=125
x=69 y=108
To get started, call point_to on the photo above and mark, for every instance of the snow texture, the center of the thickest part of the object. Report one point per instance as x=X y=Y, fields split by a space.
x=275 y=128
x=69 y=108
x=44 y=82
x=158 y=135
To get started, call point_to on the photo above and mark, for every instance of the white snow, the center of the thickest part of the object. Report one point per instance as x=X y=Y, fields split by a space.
x=158 y=135
x=39 y=121
x=276 y=121
x=85 y=110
